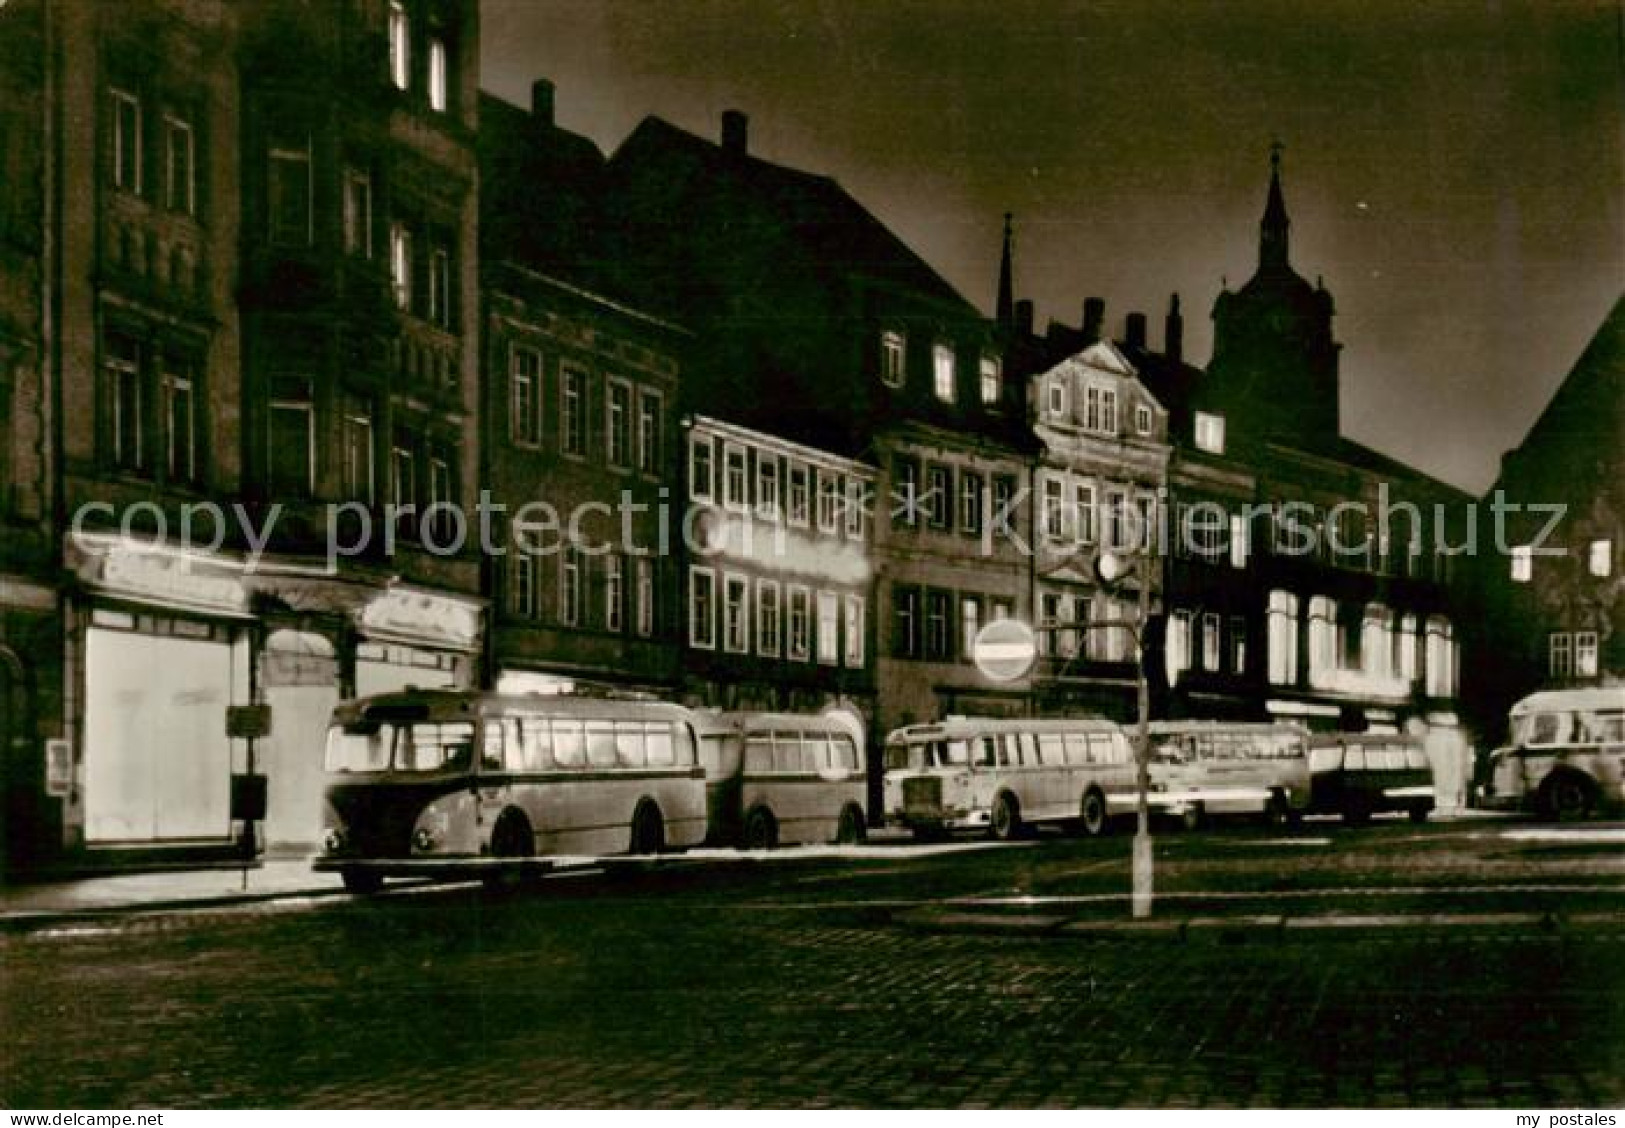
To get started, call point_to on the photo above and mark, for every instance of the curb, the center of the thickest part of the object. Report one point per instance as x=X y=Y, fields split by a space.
x=33 y=920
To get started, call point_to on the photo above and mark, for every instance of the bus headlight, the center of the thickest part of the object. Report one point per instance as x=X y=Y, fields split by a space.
x=423 y=840
x=335 y=840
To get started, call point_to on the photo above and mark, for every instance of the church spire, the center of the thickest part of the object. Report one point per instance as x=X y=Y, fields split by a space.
x=1005 y=312
x=1272 y=242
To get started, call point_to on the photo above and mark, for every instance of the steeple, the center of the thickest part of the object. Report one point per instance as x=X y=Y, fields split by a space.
x=1272 y=241
x=1005 y=313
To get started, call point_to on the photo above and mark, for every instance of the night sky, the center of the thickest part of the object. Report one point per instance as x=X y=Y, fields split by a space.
x=1454 y=171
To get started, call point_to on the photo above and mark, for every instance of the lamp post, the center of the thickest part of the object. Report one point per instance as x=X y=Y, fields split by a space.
x=1111 y=569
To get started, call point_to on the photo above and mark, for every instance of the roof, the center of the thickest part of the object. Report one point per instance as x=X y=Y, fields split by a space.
x=1592 y=698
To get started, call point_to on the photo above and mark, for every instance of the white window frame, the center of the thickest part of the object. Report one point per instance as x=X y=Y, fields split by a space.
x=1055 y=398
x=853 y=632
x=769 y=617
x=1144 y=421
x=121 y=99
x=1560 y=654
x=735 y=489
x=990 y=377
x=1240 y=540
x=1585 y=654
x=1084 y=502
x=1283 y=638
x=852 y=501
x=524 y=420
x=893 y=358
x=174 y=126
x=1209 y=434
x=400 y=46
x=798 y=497
x=307 y=408
x=572 y=411
x=769 y=472
x=651 y=421
x=943 y=375
x=736 y=614
x=798 y=620
x=1178 y=644
x=702 y=635
x=614 y=593
x=572 y=585
x=283 y=154
x=1054 y=508
x=400 y=263
x=1212 y=648
x=438 y=75
x=702 y=473
x=619 y=431
x=128 y=436
x=828 y=501
x=828 y=631
x=176 y=381
x=643 y=575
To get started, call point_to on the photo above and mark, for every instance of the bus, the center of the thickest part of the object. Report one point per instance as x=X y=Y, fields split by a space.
x=1002 y=776
x=451 y=783
x=1567 y=755
x=778 y=778
x=1211 y=768
x=1358 y=774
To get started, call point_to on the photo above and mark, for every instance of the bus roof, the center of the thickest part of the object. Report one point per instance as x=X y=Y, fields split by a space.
x=955 y=728
x=1588 y=699
x=444 y=703
x=744 y=720
x=1327 y=739
x=1169 y=728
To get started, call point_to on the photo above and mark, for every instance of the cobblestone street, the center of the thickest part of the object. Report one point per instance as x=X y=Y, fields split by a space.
x=807 y=983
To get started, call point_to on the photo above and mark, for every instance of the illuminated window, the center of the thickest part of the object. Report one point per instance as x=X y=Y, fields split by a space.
x=1210 y=432
x=942 y=367
x=1600 y=558
x=437 y=75
x=400 y=57
x=989 y=379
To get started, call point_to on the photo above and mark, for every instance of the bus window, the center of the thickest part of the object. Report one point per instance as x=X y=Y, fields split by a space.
x=846 y=753
x=569 y=744
x=491 y=747
x=899 y=757
x=657 y=737
x=428 y=747
x=1077 y=749
x=1599 y=728
x=1325 y=757
x=987 y=753
x=814 y=752
x=1029 y=749
x=1416 y=757
x=601 y=744
x=360 y=747
x=759 y=756
x=1052 y=748
x=537 y=744
x=1354 y=757
x=683 y=750
x=1548 y=728
x=1101 y=748
x=629 y=747
x=787 y=752
x=711 y=754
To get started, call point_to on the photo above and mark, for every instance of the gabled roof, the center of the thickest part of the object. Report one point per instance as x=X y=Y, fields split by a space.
x=827 y=223
x=1586 y=416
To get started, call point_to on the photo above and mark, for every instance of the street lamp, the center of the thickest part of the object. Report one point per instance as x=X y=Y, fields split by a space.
x=1111 y=569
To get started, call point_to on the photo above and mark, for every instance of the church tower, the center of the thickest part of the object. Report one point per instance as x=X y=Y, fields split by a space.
x=1274 y=365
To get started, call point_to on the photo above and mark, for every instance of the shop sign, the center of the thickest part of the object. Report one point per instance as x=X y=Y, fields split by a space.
x=415 y=616
x=248 y=722
x=169 y=579
x=288 y=671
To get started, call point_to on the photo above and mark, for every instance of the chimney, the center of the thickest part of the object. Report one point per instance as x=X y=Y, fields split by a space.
x=1173 y=333
x=541 y=101
x=1094 y=319
x=1024 y=317
x=1134 y=330
x=735 y=132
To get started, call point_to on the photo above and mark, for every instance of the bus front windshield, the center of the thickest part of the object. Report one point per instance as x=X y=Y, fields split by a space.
x=423 y=746
x=928 y=754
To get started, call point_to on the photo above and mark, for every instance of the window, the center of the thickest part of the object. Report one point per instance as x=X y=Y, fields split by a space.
x=1441 y=657
x=1117 y=520
x=970 y=624
x=1055 y=398
x=618 y=424
x=400 y=264
x=180 y=159
x=1178 y=644
x=1323 y=648
x=1240 y=540
x=767 y=484
x=893 y=358
x=1210 y=642
x=829 y=500
x=572 y=566
x=1210 y=432
x=1049 y=619
x=1283 y=638
x=359 y=479
x=572 y=411
x=1004 y=493
x=1145 y=507
x=1142 y=419
x=524 y=396
x=644 y=621
x=735 y=485
x=291 y=439
x=768 y=615
x=798 y=643
x=1054 y=509
x=400 y=58
x=905 y=499
x=854 y=508
x=522 y=585
x=437 y=75
x=1238 y=644
x=854 y=631
x=180 y=423
x=735 y=613
x=1100 y=409
x=1600 y=558
x=796 y=494
x=650 y=418
x=1585 y=654
x=1083 y=511
x=829 y=628
x=358 y=212
x=940 y=497
x=989 y=379
x=936 y=626
x=122 y=365
x=1561 y=655
x=614 y=593
x=125 y=109
x=1403 y=663
x=288 y=194
x=440 y=287
x=942 y=368
x=906 y=622
x=701 y=475
x=403 y=473
x=970 y=503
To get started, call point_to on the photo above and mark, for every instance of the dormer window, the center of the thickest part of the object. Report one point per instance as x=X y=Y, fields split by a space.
x=1210 y=432
x=1100 y=409
x=990 y=380
x=1142 y=419
x=942 y=368
x=893 y=355
x=1055 y=398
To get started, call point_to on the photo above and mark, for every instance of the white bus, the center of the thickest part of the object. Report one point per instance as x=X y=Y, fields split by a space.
x=1209 y=768
x=1567 y=756
x=1004 y=775
x=448 y=783
x=778 y=778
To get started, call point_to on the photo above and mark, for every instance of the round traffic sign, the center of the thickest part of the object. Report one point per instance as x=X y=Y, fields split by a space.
x=1005 y=649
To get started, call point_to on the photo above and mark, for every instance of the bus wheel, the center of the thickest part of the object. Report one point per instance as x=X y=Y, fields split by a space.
x=1565 y=795
x=648 y=830
x=1093 y=812
x=1356 y=812
x=361 y=882
x=851 y=830
x=1005 y=822
x=511 y=838
x=761 y=831
x=1275 y=810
